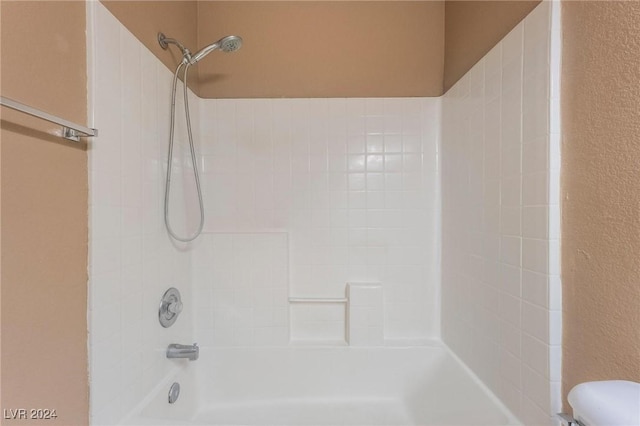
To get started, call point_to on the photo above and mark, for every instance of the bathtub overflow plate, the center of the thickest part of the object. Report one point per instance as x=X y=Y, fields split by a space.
x=174 y=392
x=170 y=307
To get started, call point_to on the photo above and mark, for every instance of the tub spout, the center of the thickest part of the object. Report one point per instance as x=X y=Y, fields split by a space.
x=191 y=352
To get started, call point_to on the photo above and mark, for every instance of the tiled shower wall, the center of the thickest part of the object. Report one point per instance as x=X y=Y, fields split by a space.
x=500 y=254
x=132 y=260
x=241 y=289
x=354 y=185
x=302 y=196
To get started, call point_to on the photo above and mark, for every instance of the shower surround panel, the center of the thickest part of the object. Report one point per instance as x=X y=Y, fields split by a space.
x=132 y=260
x=303 y=196
x=354 y=185
x=501 y=291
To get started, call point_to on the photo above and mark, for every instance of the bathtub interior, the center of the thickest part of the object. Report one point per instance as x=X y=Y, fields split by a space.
x=324 y=386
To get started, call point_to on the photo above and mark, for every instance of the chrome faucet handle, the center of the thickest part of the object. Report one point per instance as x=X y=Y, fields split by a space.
x=175 y=307
x=170 y=307
x=197 y=349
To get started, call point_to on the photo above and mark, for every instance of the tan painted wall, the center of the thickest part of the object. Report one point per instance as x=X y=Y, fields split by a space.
x=601 y=191
x=472 y=28
x=324 y=49
x=44 y=214
x=327 y=48
x=176 y=19
x=301 y=49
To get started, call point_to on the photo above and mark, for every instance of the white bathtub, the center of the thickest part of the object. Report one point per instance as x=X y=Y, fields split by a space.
x=323 y=386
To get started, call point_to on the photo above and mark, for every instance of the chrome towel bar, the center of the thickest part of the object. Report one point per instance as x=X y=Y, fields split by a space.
x=70 y=131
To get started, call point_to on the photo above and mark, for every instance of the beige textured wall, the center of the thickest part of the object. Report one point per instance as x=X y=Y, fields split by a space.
x=324 y=49
x=176 y=19
x=44 y=214
x=472 y=28
x=601 y=191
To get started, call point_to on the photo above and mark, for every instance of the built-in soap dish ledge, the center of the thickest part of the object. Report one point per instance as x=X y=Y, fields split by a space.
x=318 y=300
x=318 y=343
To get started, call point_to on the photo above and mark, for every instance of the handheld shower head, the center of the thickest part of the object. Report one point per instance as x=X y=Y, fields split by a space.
x=230 y=43
x=226 y=44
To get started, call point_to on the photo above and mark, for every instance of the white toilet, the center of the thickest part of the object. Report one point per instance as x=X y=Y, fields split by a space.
x=606 y=403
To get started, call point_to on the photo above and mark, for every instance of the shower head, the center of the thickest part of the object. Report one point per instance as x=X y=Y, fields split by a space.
x=226 y=44
x=230 y=43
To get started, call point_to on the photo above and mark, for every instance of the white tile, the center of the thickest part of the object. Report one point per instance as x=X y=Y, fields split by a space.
x=511 y=191
x=536 y=33
x=493 y=60
x=356 y=144
x=512 y=79
x=510 y=337
x=535 y=288
x=509 y=310
x=535 y=354
x=535 y=156
x=535 y=321
x=510 y=368
x=535 y=108
x=535 y=222
x=533 y=414
x=510 y=250
x=535 y=190
x=511 y=118
x=510 y=396
x=510 y=280
x=535 y=255
x=510 y=160
x=536 y=387
x=512 y=44
x=375 y=142
x=105 y=255
x=492 y=127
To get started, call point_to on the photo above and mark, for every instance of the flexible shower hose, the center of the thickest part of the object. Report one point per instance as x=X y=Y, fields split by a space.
x=170 y=156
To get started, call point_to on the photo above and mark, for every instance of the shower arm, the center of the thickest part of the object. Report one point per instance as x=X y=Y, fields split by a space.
x=165 y=41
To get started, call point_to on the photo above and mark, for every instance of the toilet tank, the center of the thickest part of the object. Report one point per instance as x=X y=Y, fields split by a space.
x=606 y=403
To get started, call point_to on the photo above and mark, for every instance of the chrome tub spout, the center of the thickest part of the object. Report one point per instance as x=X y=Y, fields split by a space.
x=191 y=352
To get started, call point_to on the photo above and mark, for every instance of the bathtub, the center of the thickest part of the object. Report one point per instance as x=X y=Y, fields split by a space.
x=323 y=386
